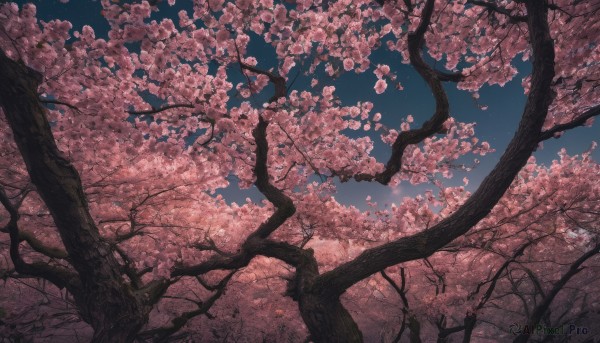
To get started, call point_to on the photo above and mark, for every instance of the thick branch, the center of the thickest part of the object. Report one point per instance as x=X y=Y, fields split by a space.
x=105 y=294
x=490 y=191
x=449 y=77
x=285 y=206
x=39 y=246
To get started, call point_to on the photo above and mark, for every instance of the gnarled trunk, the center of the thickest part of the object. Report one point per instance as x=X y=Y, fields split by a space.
x=328 y=320
x=104 y=298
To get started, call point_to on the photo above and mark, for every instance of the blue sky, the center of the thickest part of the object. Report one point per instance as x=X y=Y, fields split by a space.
x=495 y=125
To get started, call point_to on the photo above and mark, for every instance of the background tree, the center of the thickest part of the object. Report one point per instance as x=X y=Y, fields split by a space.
x=114 y=149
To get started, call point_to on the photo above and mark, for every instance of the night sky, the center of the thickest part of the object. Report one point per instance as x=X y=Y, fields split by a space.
x=495 y=125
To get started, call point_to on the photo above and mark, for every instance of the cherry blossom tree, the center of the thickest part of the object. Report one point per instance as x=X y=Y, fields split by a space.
x=114 y=151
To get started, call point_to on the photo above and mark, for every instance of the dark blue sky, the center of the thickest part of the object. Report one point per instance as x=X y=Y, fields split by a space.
x=496 y=125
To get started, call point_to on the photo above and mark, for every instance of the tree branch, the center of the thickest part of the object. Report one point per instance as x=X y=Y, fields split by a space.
x=155 y=110
x=57 y=102
x=471 y=317
x=416 y=41
x=542 y=307
x=578 y=121
x=497 y=9
x=161 y=334
x=525 y=141
x=104 y=292
x=278 y=81
x=59 y=276
x=284 y=205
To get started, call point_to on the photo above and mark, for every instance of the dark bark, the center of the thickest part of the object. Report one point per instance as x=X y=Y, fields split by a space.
x=327 y=320
x=433 y=78
x=415 y=330
x=492 y=188
x=163 y=334
x=324 y=315
x=421 y=245
x=470 y=321
x=318 y=295
x=575 y=122
x=105 y=300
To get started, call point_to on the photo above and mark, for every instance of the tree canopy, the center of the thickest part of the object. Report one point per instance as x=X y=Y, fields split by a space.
x=120 y=138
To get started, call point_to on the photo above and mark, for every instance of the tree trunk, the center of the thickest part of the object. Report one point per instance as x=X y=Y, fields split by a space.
x=415 y=330
x=105 y=300
x=327 y=320
x=324 y=315
x=470 y=321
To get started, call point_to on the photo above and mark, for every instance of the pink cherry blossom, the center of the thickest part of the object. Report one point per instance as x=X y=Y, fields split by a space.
x=348 y=64
x=128 y=149
x=382 y=70
x=380 y=86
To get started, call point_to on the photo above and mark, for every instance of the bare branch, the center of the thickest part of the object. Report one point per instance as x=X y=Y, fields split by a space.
x=161 y=334
x=155 y=110
x=57 y=102
x=59 y=276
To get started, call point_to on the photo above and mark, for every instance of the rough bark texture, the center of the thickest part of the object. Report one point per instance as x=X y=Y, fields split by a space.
x=324 y=315
x=327 y=320
x=105 y=300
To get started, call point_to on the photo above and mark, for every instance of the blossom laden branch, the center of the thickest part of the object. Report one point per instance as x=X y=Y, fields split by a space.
x=284 y=205
x=579 y=120
x=492 y=7
x=58 y=102
x=433 y=78
x=491 y=189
